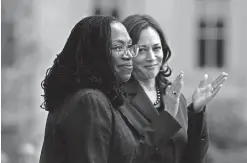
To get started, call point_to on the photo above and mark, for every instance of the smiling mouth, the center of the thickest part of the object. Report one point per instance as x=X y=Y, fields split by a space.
x=151 y=66
x=129 y=67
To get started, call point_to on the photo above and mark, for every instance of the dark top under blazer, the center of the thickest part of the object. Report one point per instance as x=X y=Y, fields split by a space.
x=87 y=129
x=189 y=144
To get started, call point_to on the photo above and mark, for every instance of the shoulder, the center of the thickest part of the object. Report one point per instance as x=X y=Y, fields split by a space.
x=92 y=96
x=87 y=107
x=131 y=86
x=83 y=102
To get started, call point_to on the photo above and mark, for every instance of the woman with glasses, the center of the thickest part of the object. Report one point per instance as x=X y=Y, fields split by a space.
x=89 y=120
x=152 y=94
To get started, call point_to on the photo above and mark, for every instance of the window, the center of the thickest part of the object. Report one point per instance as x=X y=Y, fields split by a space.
x=8 y=44
x=211 y=43
x=101 y=8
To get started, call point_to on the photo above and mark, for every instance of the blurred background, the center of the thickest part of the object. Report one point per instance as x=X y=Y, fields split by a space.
x=206 y=36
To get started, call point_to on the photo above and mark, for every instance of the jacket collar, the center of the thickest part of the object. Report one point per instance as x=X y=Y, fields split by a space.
x=139 y=99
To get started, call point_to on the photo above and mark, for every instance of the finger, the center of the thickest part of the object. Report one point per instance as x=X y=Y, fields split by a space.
x=168 y=89
x=179 y=78
x=208 y=88
x=175 y=83
x=177 y=86
x=219 y=78
x=219 y=83
x=216 y=90
x=172 y=92
x=204 y=81
x=179 y=90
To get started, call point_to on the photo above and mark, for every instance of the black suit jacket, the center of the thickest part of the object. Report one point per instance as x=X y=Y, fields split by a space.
x=87 y=129
x=189 y=142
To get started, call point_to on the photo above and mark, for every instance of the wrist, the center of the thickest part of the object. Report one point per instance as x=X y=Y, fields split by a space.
x=193 y=109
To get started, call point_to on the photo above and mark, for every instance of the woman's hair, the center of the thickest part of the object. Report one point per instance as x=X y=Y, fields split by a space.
x=85 y=62
x=135 y=24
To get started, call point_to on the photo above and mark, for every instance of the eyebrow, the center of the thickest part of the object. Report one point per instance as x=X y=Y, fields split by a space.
x=121 y=41
x=157 y=44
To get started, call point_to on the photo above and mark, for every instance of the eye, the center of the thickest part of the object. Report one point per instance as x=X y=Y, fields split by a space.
x=130 y=46
x=157 y=48
x=118 y=48
x=142 y=49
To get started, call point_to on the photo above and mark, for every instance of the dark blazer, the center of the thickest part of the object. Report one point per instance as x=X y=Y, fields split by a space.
x=87 y=129
x=188 y=144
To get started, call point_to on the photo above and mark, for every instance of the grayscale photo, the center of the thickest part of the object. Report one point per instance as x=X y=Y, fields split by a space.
x=123 y=81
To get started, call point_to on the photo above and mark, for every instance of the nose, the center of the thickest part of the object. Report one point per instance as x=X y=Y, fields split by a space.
x=127 y=55
x=151 y=55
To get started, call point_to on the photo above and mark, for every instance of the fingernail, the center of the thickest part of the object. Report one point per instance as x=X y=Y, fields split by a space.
x=181 y=74
x=225 y=73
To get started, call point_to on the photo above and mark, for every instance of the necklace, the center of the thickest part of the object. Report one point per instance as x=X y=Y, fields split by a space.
x=158 y=96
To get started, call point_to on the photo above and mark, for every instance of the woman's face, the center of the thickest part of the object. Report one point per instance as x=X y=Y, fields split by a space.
x=149 y=59
x=121 y=59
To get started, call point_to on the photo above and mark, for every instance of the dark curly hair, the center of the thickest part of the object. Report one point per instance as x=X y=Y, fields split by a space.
x=134 y=25
x=85 y=62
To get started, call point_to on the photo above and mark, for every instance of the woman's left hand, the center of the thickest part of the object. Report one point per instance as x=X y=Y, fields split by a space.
x=206 y=92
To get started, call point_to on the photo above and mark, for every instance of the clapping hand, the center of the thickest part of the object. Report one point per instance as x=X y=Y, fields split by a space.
x=172 y=95
x=206 y=92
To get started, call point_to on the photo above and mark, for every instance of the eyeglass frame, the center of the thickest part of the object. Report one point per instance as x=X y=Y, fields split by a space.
x=125 y=49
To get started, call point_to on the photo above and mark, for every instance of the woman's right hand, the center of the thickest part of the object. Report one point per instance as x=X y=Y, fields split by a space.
x=172 y=95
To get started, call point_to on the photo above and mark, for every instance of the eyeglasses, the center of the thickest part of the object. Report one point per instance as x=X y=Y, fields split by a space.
x=122 y=49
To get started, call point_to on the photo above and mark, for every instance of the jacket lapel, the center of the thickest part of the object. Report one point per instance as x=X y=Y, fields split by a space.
x=138 y=98
x=134 y=119
x=137 y=111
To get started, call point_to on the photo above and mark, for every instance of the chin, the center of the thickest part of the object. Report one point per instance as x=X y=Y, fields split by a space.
x=124 y=78
x=151 y=75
